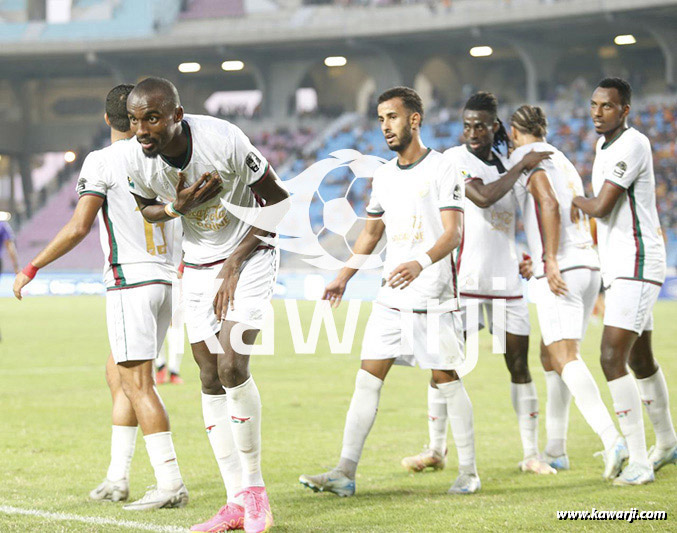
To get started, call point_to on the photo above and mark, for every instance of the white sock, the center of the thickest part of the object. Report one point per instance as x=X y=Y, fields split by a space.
x=437 y=420
x=583 y=388
x=459 y=411
x=244 y=408
x=525 y=403
x=219 y=432
x=654 y=393
x=628 y=409
x=360 y=418
x=122 y=443
x=163 y=458
x=556 y=414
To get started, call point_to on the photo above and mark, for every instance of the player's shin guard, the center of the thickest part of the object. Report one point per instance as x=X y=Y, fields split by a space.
x=437 y=420
x=459 y=411
x=360 y=418
x=556 y=414
x=122 y=443
x=162 y=456
x=583 y=388
x=628 y=409
x=244 y=408
x=654 y=393
x=219 y=432
x=525 y=402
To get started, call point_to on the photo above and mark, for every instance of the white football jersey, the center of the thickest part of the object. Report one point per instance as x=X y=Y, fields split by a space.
x=409 y=199
x=211 y=232
x=575 y=241
x=488 y=248
x=136 y=251
x=630 y=239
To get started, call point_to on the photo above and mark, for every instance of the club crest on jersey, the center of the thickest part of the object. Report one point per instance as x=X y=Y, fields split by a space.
x=82 y=183
x=131 y=183
x=253 y=162
x=620 y=169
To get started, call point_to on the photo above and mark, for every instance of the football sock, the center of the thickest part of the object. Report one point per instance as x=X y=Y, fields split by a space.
x=122 y=443
x=628 y=409
x=583 y=388
x=437 y=420
x=163 y=459
x=525 y=403
x=556 y=414
x=459 y=411
x=654 y=393
x=219 y=432
x=360 y=418
x=244 y=408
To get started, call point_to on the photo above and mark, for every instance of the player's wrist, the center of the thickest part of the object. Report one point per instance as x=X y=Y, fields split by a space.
x=30 y=270
x=172 y=211
x=424 y=260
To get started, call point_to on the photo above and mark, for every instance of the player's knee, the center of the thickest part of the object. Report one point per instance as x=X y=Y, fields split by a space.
x=232 y=374
x=612 y=361
x=518 y=366
x=211 y=384
x=643 y=365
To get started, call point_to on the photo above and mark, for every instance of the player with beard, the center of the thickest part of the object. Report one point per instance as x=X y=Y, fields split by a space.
x=177 y=153
x=417 y=199
x=632 y=253
x=486 y=256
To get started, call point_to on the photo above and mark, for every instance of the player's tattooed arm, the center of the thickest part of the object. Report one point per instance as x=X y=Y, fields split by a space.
x=487 y=195
x=598 y=206
x=272 y=192
x=540 y=188
x=452 y=222
x=364 y=245
x=187 y=198
x=68 y=238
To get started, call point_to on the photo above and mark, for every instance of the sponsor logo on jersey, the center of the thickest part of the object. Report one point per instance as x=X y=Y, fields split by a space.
x=82 y=183
x=457 y=192
x=620 y=169
x=253 y=162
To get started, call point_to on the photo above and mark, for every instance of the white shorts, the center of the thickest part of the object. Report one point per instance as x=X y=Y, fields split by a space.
x=629 y=304
x=252 y=295
x=516 y=314
x=403 y=336
x=566 y=317
x=137 y=319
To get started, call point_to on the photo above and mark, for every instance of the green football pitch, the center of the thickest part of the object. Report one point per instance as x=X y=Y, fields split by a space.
x=55 y=428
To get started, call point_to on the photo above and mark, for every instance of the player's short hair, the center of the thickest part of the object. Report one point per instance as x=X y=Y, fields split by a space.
x=530 y=119
x=116 y=107
x=161 y=86
x=486 y=101
x=410 y=98
x=622 y=86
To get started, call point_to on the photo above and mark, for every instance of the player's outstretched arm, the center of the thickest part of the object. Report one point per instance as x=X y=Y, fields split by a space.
x=364 y=245
x=13 y=256
x=546 y=200
x=600 y=205
x=452 y=222
x=487 y=195
x=272 y=192
x=187 y=198
x=68 y=238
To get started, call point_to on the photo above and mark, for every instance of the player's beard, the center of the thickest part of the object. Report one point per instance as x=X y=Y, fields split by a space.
x=405 y=139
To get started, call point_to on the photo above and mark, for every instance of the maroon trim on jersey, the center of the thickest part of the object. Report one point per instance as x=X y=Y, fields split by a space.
x=472 y=178
x=375 y=215
x=140 y=284
x=454 y=275
x=658 y=283
x=615 y=185
x=594 y=269
x=460 y=252
x=199 y=266
x=265 y=175
x=489 y=297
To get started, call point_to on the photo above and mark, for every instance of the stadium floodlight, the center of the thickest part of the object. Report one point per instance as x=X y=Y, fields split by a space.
x=187 y=68
x=5 y=216
x=69 y=156
x=481 y=51
x=622 y=40
x=231 y=66
x=335 y=61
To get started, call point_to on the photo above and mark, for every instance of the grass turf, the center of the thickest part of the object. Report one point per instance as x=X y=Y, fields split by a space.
x=55 y=430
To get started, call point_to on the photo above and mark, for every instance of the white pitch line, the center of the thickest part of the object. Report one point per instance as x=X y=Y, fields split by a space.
x=92 y=520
